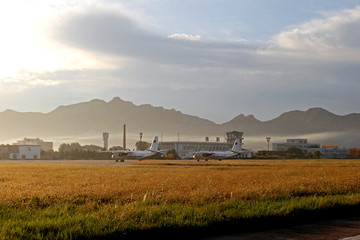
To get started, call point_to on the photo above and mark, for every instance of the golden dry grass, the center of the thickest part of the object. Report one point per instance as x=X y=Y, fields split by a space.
x=67 y=201
x=181 y=182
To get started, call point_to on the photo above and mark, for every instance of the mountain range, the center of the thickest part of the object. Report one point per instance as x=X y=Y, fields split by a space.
x=85 y=122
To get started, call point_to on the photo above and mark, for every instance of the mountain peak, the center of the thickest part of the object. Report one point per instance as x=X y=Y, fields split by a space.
x=317 y=109
x=243 y=120
x=243 y=117
x=116 y=100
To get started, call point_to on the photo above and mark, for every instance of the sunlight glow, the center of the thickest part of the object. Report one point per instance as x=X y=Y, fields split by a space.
x=27 y=44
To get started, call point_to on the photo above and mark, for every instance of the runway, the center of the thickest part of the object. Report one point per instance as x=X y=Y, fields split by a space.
x=81 y=162
x=340 y=229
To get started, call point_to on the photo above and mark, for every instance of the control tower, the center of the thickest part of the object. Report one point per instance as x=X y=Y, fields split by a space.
x=231 y=136
x=106 y=140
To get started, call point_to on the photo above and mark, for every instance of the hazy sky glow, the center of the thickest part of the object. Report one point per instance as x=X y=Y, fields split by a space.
x=210 y=58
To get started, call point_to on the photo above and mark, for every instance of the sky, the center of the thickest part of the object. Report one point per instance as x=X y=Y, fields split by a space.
x=210 y=58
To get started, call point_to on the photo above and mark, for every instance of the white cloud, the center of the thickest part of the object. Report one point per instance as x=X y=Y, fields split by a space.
x=25 y=80
x=336 y=36
x=184 y=36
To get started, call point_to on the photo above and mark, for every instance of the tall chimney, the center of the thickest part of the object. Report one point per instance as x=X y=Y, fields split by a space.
x=106 y=140
x=124 y=137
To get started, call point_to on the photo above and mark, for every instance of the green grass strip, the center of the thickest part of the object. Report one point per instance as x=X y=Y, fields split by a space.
x=70 y=221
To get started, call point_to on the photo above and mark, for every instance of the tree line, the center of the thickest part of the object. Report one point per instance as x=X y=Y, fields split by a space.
x=75 y=151
x=89 y=152
x=293 y=152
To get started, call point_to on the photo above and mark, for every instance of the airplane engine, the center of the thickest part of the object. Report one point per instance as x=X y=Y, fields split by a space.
x=118 y=155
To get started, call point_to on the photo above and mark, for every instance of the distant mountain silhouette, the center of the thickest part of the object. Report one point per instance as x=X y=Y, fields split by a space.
x=314 y=120
x=91 y=118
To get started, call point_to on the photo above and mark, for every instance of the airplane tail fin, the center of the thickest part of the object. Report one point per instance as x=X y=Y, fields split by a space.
x=237 y=146
x=155 y=144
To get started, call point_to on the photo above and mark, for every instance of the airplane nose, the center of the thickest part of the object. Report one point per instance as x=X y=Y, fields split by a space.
x=195 y=155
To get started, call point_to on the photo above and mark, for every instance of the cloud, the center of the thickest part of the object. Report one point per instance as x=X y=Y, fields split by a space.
x=185 y=36
x=109 y=32
x=336 y=35
x=25 y=80
x=295 y=57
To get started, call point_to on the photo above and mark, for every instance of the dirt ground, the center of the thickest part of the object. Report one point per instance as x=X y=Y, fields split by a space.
x=348 y=229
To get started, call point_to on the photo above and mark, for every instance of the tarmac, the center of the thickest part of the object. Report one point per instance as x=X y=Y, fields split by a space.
x=340 y=229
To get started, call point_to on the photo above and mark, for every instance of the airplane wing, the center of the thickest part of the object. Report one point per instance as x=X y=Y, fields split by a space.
x=120 y=152
x=203 y=154
x=159 y=151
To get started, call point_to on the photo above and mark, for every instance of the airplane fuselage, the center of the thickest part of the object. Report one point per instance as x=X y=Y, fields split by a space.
x=214 y=155
x=235 y=151
x=132 y=154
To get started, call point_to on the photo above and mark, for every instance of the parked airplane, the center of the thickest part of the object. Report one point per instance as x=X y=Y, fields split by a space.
x=235 y=151
x=128 y=154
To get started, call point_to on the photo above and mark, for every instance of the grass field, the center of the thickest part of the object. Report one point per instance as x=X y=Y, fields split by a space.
x=66 y=201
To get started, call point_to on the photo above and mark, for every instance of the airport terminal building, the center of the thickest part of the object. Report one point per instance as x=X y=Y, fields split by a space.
x=297 y=143
x=326 y=151
x=186 y=149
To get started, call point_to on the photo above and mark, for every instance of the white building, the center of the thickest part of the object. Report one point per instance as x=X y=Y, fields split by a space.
x=297 y=143
x=26 y=152
x=326 y=151
x=36 y=141
x=186 y=149
x=331 y=152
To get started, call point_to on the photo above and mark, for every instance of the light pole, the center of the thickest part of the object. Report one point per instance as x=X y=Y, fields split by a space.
x=268 y=141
